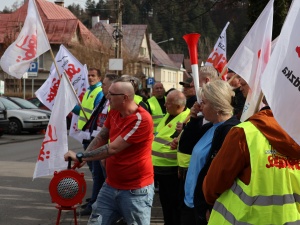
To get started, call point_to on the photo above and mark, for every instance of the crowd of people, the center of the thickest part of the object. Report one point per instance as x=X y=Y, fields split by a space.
x=208 y=166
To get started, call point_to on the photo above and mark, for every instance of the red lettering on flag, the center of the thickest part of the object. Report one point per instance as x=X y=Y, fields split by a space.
x=29 y=46
x=71 y=71
x=45 y=154
x=298 y=51
x=53 y=90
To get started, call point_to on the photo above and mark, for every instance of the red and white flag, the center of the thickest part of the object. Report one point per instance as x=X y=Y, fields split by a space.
x=252 y=56
x=76 y=72
x=30 y=44
x=55 y=143
x=217 y=57
x=74 y=132
x=280 y=81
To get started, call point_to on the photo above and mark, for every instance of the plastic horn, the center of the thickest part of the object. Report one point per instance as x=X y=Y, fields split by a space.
x=192 y=42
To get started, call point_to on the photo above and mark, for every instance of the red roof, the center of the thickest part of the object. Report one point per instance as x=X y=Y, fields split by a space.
x=61 y=26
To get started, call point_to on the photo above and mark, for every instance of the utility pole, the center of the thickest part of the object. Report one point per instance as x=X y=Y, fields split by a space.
x=120 y=14
x=117 y=33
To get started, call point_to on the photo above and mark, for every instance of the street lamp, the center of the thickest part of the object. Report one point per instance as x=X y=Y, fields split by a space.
x=151 y=58
x=171 y=39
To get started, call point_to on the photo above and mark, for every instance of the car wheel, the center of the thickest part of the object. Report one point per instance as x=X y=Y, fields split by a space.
x=1 y=133
x=15 y=127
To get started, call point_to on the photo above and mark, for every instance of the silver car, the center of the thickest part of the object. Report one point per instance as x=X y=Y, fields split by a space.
x=23 y=119
x=25 y=104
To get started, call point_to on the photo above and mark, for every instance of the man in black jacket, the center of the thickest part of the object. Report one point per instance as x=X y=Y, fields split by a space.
x=189 y=92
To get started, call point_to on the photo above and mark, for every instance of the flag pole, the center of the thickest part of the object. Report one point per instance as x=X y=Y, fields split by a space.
x=223 y=72
x=260 y=98
x=55 y=64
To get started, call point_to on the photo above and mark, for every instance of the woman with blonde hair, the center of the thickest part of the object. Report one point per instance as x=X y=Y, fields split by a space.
x=216 y=98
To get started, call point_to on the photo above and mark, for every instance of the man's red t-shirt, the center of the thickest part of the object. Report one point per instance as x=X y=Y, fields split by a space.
x=132 y=167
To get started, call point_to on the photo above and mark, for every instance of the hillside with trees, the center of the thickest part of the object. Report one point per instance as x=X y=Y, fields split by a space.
x=174 y=18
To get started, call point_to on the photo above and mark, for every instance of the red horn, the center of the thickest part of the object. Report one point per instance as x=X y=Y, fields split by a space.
x=192 y=42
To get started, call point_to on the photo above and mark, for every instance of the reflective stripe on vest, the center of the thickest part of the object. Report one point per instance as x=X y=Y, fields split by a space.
x=161 y=141
x=162 y=155
x=165 y=155
x=183 y=159
x=88 y=106
x=156 y=111
x=273 y=194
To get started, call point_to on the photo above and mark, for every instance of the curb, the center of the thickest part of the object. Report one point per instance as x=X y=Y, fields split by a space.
x=10 y=139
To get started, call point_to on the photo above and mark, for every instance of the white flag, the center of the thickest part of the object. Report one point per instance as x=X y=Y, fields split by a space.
x=74 y=132
x=30 y=44
x=55 y=143
x=217 y=57
x=76 y=72
x=280 y=81
x=251 y=57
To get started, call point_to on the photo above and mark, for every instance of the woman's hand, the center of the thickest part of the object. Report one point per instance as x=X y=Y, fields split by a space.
x=195 y=109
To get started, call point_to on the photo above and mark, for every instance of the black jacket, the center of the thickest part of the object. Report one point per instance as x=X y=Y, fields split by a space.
x=191 y=134
x=190 y=101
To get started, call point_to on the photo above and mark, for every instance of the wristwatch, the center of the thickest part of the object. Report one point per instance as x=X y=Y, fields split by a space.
x=79 y=156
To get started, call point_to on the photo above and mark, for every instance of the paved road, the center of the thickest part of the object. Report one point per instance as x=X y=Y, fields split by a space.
x=27 y=202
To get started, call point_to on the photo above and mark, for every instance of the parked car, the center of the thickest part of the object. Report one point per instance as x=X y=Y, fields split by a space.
x=23 y=119
x=25 y=104
x=40 y=105
x=4 y=122
x=37 y=102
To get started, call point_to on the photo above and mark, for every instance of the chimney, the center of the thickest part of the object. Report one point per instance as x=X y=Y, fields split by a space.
x=95 y=20
x=150 y=36
x=60 y=3
x=105 y=21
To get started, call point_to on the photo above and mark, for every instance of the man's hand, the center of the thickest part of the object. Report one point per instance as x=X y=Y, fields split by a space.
x=74 y=158
x=179 y=127
x=71 y=154
x=174 y=144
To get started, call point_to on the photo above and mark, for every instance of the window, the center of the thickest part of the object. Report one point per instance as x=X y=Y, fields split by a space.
x=142 y=51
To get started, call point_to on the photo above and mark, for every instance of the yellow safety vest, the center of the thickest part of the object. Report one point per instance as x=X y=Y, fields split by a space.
x=137 y=99
x=156 y=111
x=183 y=159
x=273 y=195
x=88 y=106
x=162 y=155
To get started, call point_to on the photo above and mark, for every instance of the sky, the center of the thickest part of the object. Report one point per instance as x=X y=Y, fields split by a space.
x=9 y=3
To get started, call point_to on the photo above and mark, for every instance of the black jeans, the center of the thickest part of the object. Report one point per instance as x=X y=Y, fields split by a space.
x=192 y=216
x=168 y=195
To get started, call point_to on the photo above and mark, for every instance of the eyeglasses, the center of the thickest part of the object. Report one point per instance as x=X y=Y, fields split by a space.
x=114 y=94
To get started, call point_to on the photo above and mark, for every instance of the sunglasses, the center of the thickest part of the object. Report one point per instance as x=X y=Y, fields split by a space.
x=114 y=94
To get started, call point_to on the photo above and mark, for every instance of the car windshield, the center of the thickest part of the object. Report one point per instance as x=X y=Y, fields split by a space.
x=9 y=104
x=24 y=103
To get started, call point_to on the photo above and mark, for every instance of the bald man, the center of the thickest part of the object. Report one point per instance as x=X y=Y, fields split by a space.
x=128 y=190
x=164 y=159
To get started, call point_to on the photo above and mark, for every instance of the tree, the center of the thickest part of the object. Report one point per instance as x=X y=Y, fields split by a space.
x=280 y=11
x=6 y=10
